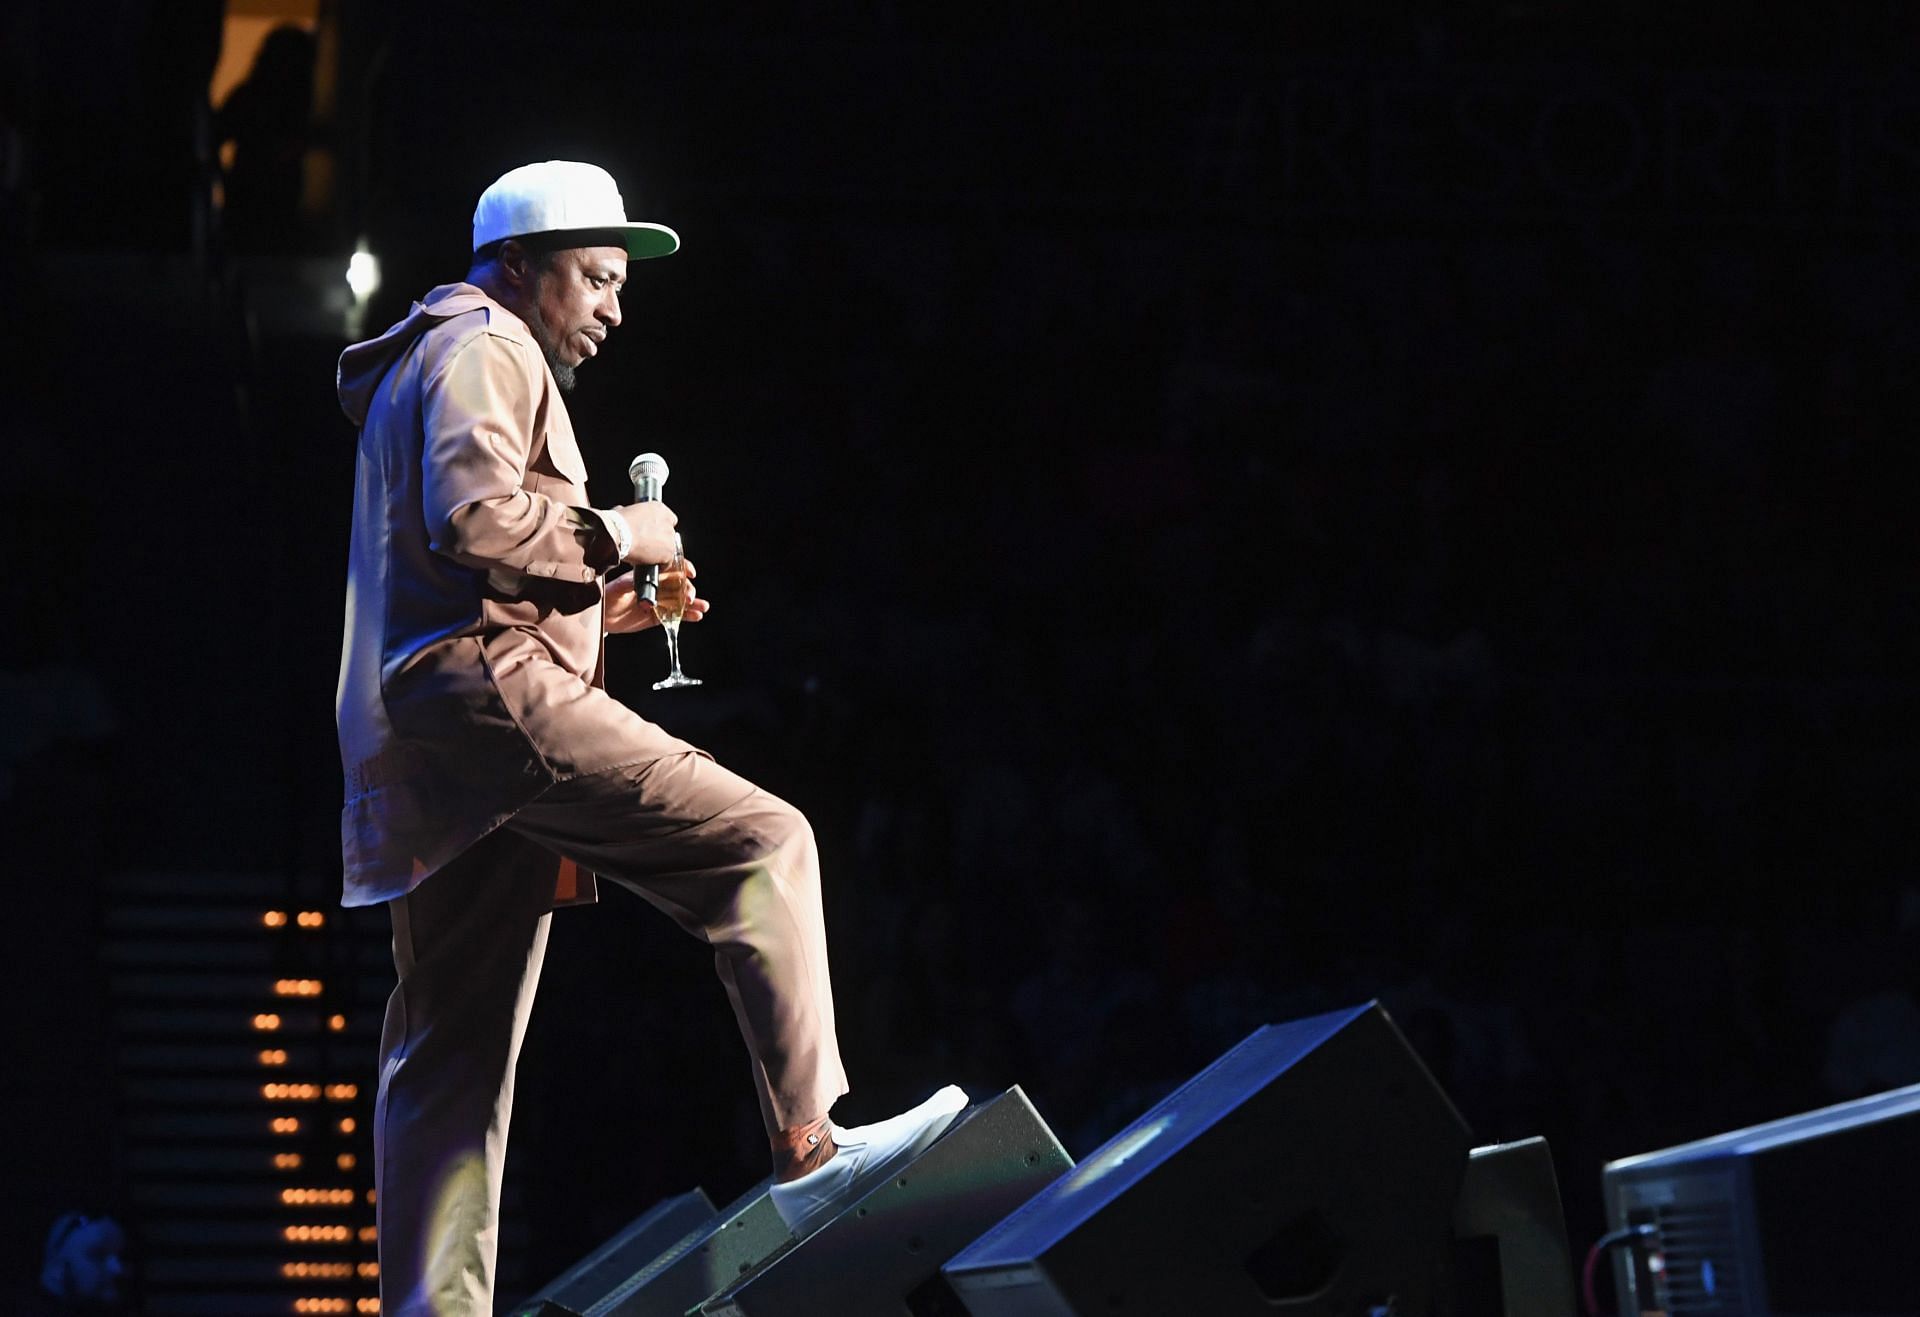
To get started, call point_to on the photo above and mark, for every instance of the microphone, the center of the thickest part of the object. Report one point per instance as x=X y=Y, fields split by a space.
x=649 y=475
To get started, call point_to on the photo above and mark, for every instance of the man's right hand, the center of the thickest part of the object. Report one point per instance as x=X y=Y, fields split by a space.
x=651 y=525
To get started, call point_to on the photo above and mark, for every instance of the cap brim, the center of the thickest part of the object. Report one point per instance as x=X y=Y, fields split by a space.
x=649 y=240
x=643 y=241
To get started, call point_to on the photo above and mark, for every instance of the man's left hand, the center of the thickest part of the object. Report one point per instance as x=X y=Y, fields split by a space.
x=627 y=612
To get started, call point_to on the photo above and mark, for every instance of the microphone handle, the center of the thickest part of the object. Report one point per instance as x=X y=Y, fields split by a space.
x=647 y=579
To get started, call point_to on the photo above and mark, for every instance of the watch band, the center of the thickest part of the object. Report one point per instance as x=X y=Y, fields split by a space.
x=621 y=532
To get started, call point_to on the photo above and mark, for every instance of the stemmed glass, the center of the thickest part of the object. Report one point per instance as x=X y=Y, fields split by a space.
x=670 y=611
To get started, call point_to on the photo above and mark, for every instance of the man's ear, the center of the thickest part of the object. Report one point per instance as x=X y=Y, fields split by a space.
x=516 y=263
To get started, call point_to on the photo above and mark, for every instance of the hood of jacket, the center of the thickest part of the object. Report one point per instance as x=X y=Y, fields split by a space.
x=364 y=365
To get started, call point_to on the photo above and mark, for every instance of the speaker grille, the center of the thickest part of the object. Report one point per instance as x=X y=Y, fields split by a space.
x=1700 y=1248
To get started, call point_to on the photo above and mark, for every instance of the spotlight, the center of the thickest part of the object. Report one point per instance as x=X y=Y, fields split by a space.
x=363 y=272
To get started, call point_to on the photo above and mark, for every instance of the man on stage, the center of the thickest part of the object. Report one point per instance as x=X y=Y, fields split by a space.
x=489 y=777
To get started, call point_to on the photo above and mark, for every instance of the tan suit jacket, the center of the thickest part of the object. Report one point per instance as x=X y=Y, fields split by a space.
x=470 y=675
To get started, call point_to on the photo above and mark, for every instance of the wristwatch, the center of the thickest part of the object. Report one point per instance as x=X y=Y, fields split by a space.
x=621 y=532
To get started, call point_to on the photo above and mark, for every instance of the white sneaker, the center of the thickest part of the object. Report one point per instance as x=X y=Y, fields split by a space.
x=865 y=1155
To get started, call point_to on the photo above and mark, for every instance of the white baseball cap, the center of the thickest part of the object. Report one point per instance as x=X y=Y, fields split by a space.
x=562 y=197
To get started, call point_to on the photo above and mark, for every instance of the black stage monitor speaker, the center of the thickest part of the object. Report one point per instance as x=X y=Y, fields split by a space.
x=1312 y=1170
x=672 y=1272
x=881 y=1256
x=1510 y=1236
x=645 y=1238
x=1813 y=1214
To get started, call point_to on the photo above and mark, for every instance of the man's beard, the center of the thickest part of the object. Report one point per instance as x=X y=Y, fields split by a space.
x=563 y=374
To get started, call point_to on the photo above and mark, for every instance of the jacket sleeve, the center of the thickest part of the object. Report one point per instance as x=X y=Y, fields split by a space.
x=480 y=413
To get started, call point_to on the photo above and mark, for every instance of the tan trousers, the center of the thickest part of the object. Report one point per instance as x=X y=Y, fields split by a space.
x=730 y=863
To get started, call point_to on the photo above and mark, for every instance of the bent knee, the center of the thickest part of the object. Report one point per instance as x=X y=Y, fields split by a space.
x=784 y=827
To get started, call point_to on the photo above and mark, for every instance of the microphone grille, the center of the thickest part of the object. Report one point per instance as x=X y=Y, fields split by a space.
x=648 y=466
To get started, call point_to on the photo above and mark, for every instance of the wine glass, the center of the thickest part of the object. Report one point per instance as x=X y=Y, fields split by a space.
x=670 y=611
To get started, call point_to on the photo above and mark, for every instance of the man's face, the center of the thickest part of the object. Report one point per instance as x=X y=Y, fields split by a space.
x=576 y=304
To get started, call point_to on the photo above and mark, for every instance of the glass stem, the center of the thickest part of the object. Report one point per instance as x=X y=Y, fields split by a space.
x=673 y=645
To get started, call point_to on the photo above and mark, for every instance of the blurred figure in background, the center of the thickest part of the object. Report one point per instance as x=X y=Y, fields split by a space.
x=267 y=118
x=82 y=1269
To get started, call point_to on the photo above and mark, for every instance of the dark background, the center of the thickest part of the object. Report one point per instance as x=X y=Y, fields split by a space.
x=1216 y=515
